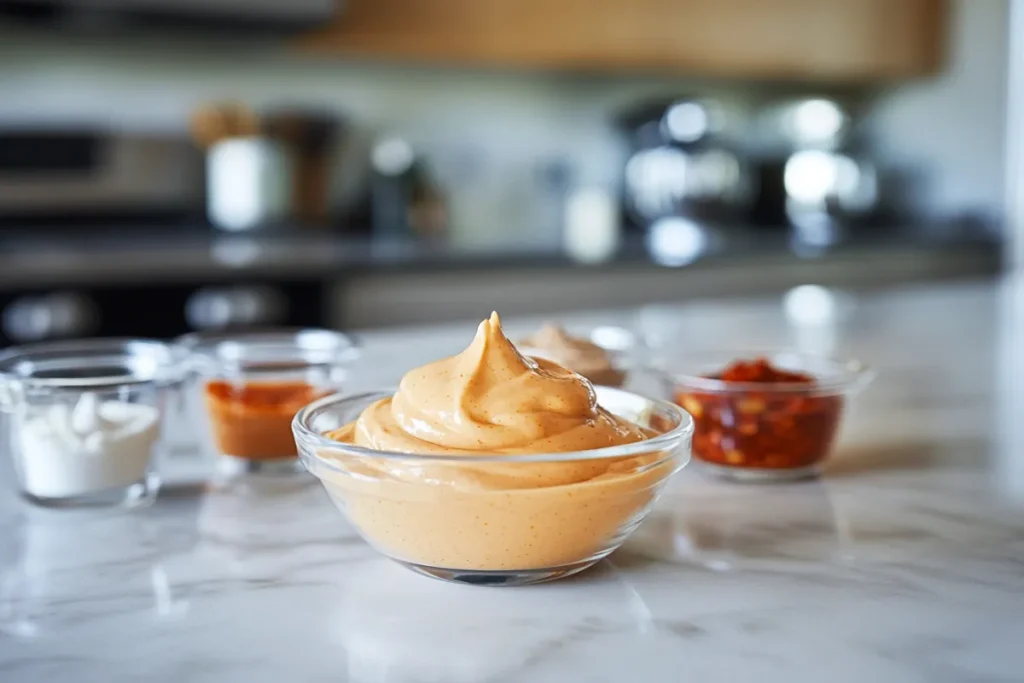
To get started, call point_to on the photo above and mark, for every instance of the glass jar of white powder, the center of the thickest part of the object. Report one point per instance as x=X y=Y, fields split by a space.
x=84 y=418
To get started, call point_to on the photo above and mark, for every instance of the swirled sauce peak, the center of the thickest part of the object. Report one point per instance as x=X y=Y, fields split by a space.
x=490 y=399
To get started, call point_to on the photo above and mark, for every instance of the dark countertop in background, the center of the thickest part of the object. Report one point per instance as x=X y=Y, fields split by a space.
x=164 y=256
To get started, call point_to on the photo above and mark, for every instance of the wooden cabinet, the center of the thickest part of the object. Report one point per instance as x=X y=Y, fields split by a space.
x=844 y=40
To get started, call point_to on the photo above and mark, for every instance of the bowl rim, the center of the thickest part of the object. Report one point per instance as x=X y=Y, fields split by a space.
x=851 y=375
x=209 y=342
x=211 y=351
x=170 y=358
x=310 y=442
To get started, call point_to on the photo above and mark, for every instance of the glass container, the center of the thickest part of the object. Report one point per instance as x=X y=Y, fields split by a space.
x=85 y=418
x=245 y=388
x=763 y=431
x=496 y=519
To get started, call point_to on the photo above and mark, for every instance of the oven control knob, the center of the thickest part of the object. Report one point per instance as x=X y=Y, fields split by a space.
x=214 y=308
x=50 y=316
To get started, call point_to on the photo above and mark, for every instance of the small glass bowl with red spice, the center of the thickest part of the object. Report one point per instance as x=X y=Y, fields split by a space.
x=763 y=416
x=246 y=387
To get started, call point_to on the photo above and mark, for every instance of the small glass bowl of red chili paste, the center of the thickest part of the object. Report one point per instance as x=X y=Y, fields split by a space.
x=765 y=417
x=247 y=386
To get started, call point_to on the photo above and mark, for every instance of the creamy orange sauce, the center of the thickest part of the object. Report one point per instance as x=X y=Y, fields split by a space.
x=491 y=400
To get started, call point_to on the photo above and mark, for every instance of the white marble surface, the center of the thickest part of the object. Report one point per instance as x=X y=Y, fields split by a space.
x=906 y=563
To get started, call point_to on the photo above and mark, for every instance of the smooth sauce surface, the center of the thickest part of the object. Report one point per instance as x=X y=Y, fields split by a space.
x=495 y=515
x=487 y=400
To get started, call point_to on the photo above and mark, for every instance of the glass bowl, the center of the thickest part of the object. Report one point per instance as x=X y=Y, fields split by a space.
x=762 y=431
x=245 y=388
x=618 y=343
x=85 y=418
x=496 y=519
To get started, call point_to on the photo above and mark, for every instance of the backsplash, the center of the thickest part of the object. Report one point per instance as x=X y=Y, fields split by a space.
x=490 y=136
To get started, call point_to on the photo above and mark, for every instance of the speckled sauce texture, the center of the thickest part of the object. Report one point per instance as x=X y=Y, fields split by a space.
x=497 y=515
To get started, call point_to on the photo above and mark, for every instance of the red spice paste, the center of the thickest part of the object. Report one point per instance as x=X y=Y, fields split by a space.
x=745 y=427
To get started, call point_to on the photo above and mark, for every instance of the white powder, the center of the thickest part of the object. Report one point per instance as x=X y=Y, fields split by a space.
x=93 y=446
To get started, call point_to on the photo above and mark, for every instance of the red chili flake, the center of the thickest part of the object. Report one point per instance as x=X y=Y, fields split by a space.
x=760 y=370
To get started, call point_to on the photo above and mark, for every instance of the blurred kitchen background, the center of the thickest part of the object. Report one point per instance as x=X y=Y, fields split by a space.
x=171 y=165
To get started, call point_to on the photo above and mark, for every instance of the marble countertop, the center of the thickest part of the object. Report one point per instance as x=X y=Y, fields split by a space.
x=905 y=563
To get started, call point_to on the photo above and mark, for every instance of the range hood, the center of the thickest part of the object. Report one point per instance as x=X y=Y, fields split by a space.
x=229 y=15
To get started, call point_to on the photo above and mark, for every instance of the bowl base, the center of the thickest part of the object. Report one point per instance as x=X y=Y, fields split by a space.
x=232 y=466
x=759 y=475
x=138 y=494
x=520 y=577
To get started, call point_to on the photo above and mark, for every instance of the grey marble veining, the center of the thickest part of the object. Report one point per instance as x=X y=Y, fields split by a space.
x=905 y=563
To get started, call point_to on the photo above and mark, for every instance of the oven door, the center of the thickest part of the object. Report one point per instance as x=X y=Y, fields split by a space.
x=157 y=311
x=74 y=177
x=232 y=15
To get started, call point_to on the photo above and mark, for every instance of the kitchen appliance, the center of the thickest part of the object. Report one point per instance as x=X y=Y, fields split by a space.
x=267 y=171
x=405 y=200
x=309 y=138
x=80 y=175
x=234 y=14
x=810 y=176
x=161 y=311
x=683 y=164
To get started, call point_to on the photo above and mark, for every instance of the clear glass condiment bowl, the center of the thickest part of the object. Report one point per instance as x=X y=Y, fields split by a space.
x=244 y=388
x=485 y=519
x=85 y=418
x=753 y=431
x=617 y=343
